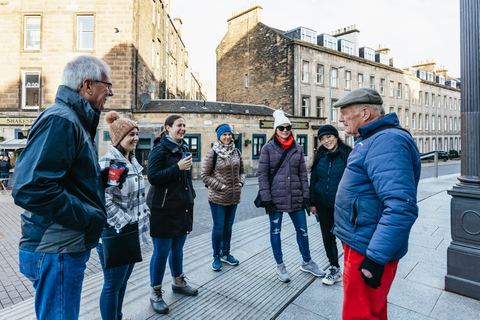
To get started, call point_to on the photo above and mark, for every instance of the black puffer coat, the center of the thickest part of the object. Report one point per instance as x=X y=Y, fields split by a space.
x=171 y=194
x=290 y=184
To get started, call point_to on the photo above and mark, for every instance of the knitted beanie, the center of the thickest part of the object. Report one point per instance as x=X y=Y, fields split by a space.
x=327 y=129
x=118 y=127
x=280 y=118
x=221 y=130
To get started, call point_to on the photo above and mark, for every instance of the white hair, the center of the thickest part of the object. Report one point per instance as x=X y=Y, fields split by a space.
x=81 y=68
x=377 y=109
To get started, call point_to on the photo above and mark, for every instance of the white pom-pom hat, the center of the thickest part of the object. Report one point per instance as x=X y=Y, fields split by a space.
x=280 y=118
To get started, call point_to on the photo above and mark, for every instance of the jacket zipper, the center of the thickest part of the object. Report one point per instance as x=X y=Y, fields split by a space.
x=164 y=197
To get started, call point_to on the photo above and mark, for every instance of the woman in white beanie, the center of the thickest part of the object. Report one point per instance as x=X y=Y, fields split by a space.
x=124 y=206
x=288 y=192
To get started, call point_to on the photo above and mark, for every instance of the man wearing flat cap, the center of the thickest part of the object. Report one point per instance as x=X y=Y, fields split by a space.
x=376 y=202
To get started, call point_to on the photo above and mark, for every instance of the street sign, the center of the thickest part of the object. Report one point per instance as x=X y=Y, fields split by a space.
x=268 y=124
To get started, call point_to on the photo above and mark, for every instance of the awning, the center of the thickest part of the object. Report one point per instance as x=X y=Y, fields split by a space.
x=13 y=144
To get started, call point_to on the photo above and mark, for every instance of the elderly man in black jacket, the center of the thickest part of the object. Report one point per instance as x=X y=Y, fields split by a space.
x=60 y=185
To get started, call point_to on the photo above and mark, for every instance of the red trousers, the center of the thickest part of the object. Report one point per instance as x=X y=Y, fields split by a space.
x=359 y=300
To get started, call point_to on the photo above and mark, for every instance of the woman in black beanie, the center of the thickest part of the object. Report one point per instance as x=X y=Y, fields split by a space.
x=329 y=163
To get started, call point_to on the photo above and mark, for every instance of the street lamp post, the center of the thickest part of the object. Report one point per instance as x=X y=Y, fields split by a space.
x=330 y=89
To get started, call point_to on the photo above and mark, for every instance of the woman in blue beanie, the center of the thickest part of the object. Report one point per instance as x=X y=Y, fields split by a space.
x=224 y=175
x=329 y=163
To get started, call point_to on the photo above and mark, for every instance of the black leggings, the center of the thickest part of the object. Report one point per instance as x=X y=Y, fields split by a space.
x=325 y=216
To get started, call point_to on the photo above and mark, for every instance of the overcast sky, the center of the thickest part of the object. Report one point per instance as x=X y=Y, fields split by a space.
x=414 y=30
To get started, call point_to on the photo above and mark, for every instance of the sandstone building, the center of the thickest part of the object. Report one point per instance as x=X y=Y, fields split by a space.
x=304 y=73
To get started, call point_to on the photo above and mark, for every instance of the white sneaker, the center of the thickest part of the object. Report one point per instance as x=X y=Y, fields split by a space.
x=282 y=273
x=334 y=275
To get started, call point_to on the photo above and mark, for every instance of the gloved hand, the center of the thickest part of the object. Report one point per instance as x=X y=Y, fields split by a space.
x=104 y=177
x=123 y=177
x=270 y=208
x=371 y=268
x=306 y=205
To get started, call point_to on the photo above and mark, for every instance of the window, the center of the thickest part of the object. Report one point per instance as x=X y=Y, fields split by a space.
x=348 y=140
x=348 y=80
x=407 y=112
x=445 y=102
x=305 y=106
x=319 y=74
x=450 y=103
x=399 y=91
x=439 y=98
x=392 y=110
x=257 y=145
x=426 y=122
x=433 y=122
x=420 y=98
x=334 y=77
x=302 y=140
x=433 y=99
x=455 y=124
x=194 y=143
x=434 y=144
x=320 y=107
x=445 y=124
x=420 y=145
x=420 y=121
x=334 y=111
x=414 y=94
x=85 y=32
x=372 y=82
x=391 y=89
x=426 y=98
x=360 y=80
x=246 y=81
x=407 y=91
x=399 y=115
x=439 y=124
x=153 y=12
x=450 y=124
x=30 y=89
x=382 y=86
x=305 y=66
x=455 y=104
x=413 y=120
x=32 y=32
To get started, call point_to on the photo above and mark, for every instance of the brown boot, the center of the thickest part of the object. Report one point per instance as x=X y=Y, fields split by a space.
x=156 y=300
x=179 y=285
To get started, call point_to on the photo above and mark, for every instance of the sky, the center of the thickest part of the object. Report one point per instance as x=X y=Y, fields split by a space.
x=414 y=30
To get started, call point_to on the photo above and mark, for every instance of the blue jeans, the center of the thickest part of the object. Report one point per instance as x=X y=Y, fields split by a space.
x=300 y=222
x=223 y=217
x=5 y=175
x=57 y=279
x=163 y=249
x=114 y=287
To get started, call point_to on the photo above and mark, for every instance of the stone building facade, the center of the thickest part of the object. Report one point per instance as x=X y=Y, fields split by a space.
x=137 y=38
x=262 y=65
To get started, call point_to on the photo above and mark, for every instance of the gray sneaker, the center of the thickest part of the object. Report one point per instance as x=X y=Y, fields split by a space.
x=312 y=268
x=334 y=275
x=282 y=273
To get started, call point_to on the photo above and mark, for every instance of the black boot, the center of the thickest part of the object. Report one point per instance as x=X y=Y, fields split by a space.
x=156 y=300
x=179 y=285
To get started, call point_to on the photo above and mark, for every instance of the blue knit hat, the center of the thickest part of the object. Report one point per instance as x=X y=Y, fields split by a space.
x=221 y=130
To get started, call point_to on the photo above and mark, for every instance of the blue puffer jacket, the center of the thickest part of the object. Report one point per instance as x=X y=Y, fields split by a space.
x=57 y=179
x=376 y=203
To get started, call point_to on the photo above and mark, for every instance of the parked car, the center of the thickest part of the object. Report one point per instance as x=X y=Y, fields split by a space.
x=441 y=155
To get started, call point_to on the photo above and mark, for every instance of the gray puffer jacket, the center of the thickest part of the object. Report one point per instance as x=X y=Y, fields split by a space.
x=290 y=184
x=229 y=172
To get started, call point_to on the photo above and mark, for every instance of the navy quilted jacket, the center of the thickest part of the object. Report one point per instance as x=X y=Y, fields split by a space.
x=376 y=203
x=290 y=184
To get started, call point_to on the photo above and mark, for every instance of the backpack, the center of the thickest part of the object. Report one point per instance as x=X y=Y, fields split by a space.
x=215 y=161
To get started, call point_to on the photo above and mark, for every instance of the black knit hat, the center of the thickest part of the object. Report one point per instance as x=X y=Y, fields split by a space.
x=327 y=129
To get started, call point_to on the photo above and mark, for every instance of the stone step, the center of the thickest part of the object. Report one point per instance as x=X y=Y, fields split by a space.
x=250 y=290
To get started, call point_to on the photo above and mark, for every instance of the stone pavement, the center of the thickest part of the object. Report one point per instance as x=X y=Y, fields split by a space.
x=251 y=290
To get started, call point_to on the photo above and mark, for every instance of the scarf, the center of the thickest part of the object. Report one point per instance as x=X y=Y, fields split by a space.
x=223 y=150
x=287 y=144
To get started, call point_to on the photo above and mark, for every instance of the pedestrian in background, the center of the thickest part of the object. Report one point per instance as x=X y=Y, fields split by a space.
x=59 y=183
x=224 y=175
x=124 y=206
x=5 y=167
x=170 y=199
x=376 y=203
x=288 y=192
x=327 y=169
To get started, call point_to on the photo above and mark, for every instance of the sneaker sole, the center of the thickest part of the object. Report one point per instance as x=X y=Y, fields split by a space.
x=288 y=280
x=330 y=283
x=316 y=275
x=228 y=262
x=216 y=269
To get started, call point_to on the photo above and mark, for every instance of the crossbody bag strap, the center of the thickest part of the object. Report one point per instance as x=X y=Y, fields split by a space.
x=277 y=167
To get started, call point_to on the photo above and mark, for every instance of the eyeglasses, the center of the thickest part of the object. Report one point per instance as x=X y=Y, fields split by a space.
x=282 y=128
x=108 y=84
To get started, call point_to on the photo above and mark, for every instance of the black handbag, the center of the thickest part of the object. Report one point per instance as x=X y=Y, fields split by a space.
x=258 y=200
x=121 y=247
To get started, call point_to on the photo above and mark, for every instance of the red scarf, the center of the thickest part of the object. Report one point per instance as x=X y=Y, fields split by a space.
x=287 y=144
